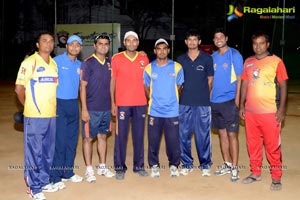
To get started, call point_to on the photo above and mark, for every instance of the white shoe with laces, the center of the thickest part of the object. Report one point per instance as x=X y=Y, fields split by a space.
x=50 y=188
x=90 y=177
x=185 y=171
x=60 y=185
x=75 y=179
x=105 y=172
x=38 y=196
x=205 y=172
x=174 y=171
x=155 y=171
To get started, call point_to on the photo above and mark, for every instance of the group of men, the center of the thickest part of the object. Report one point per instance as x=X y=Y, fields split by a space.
x=184 y=97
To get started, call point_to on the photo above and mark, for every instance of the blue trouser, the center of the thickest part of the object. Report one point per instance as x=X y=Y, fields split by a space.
x=195 y=119
x=39 y=145
x=137 y=116
x=67 y=127
x=156 y=126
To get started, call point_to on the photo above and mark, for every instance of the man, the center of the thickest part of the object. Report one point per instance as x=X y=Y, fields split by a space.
x=36 y=89
x=67 y=111
x=163 y=75
x=194 y=108
x=228 y=68
x=129 y=101
x=95 y=103
x=263 y=101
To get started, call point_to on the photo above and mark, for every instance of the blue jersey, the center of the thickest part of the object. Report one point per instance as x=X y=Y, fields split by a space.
x=163 y=82
x=227 y=67
x=68 y=77
x=195 y=90
x=97 y=74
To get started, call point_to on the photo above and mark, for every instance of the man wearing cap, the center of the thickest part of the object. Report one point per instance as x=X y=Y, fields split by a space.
x=163 y=75
x=129 y=102
x=67 y=112
x=95 y=78
x=194 y=108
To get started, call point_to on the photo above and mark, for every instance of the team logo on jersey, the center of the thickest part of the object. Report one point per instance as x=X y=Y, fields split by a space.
x=172 y=74
x=151 y=121
x=176 y=123
x=78 y=70
x=122 y=115
x=256 y=73
x=23 y=70
x=249 y=65
x=40 y=69
x=215 y=66
x=109 y=66
x=142 y=64
x=225 y=65
x=200 y=68
x=154 y=75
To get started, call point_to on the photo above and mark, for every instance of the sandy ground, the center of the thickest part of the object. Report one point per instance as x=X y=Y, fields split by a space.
x=193 y=186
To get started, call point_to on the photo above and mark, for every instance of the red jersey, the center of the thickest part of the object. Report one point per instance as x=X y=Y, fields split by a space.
x=263 y=77
x=128 y=73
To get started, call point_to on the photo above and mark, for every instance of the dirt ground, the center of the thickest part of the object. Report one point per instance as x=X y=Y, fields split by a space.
x=193 y=186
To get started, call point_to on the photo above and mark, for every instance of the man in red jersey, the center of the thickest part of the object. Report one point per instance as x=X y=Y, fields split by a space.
x=263 y=100
x=129 y=102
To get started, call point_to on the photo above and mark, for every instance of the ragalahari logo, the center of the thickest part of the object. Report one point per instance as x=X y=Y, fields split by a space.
x=234 y=13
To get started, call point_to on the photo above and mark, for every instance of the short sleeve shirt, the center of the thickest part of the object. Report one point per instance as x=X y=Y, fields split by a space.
x=40 y=80
x=195 y=90
x=128 y=74
x=97 y=74
x=163 y=82
x=68 y=77
x=263 y=77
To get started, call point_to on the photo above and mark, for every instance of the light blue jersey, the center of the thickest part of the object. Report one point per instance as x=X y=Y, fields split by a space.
x=227 y=67
x=163 y=82
x=68 y=76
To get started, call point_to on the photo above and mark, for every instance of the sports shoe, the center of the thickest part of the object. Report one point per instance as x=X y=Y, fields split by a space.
x=155 y=171
x=50 y=188
x=174 y=171
x=185 y=171
x=224 y=169
x=38 y=196
x=75 y=179
x=205 y=172
x=142 y=173
x=120 y=175
x=234 y=174
x=60 y=185
x=89 y=176
x=105 y=172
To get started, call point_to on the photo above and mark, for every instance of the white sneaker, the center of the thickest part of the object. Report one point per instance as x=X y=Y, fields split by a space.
x=75 y=179
x=155 y=171
x=60 y=185
x=234 y=174
x=224 y=169
x=38 y=196
x=185 y=171
x=90 y=177
x=205 y=172
x=105 y=172
x=174 y=171
x=50 y=188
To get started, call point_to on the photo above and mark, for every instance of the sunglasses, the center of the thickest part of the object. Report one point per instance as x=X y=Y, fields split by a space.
x=102 y=36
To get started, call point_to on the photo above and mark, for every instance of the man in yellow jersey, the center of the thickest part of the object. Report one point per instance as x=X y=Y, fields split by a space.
x=36 y=89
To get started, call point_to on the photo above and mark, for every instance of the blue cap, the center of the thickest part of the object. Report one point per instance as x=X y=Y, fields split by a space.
x=74 y=38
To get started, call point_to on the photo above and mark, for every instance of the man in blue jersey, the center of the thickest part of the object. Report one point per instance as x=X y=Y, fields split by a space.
x=67 y=111
x=228 y=67
x=96 y=106
x=162 y=79
x=194 y=109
